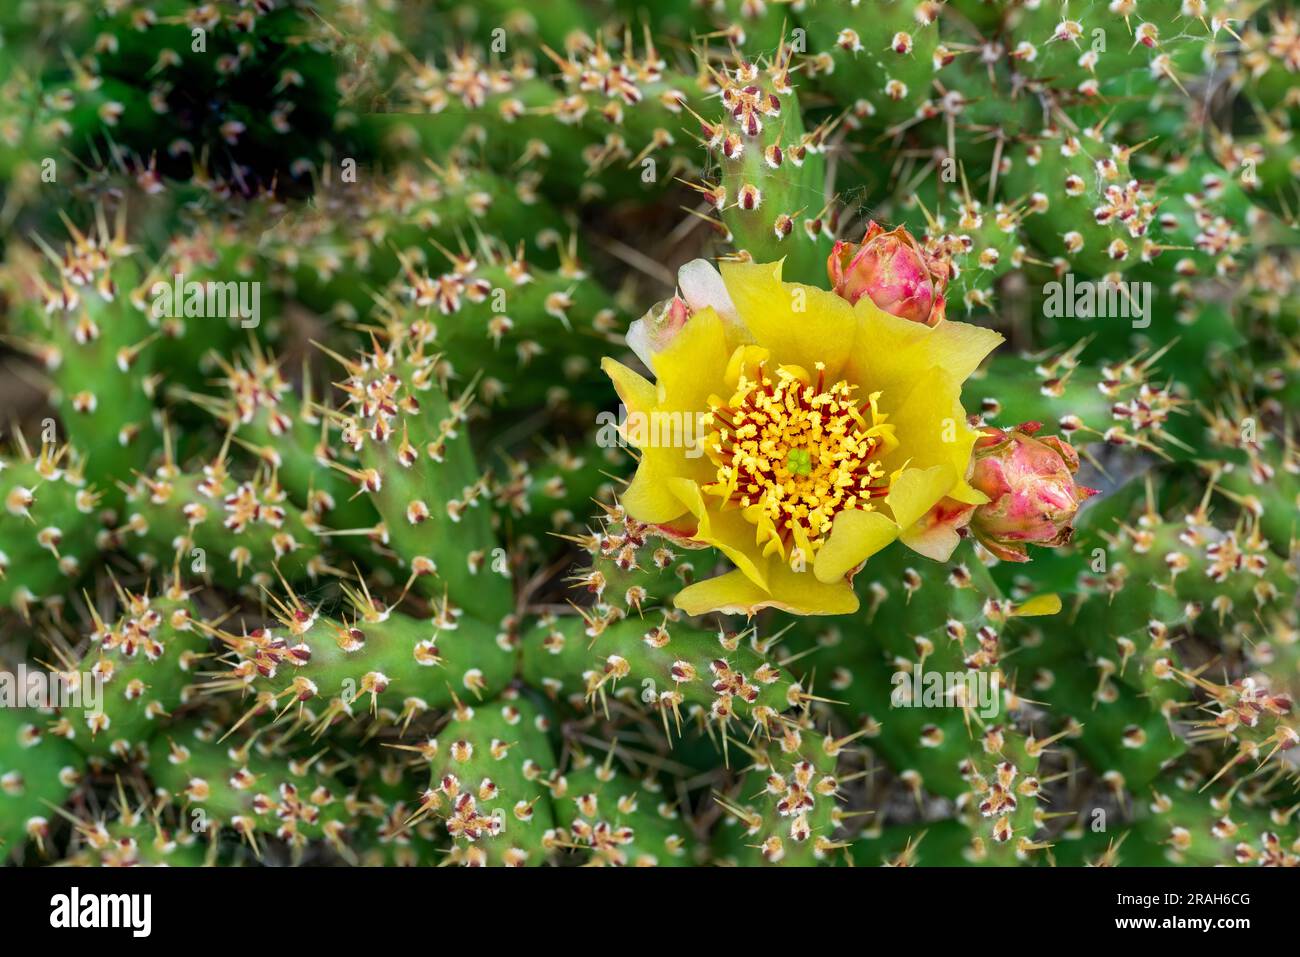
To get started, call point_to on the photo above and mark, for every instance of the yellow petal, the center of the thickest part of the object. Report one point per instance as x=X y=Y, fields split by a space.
x=693 y=364
x=731 y=594
x=880 y=340
x=634 y=391
x=671 y=443
x=1048 y=604
x=935 y=535
x=889 y=351
x=964 y=493
x=916 y=491
x=724 y=529
x=931 y=427
x=800 y=593
x=855 y=537
x=663 y=419
x=935 y=542
x=959 y=347
x=648 y=497
x=802 y=325
x=794 y=592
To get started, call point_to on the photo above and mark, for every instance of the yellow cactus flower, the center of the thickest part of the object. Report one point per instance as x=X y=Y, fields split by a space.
x=809 y=433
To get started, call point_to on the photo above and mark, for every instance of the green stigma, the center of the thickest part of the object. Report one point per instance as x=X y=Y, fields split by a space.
x=799 y=462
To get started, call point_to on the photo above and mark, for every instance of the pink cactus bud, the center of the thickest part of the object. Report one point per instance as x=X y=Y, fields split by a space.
x=1032 y=493
x=893 y=271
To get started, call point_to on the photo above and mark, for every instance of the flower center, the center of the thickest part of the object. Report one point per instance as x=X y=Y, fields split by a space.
x=793 y=455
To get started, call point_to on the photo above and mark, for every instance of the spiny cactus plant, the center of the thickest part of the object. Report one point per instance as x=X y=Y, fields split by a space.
x=721 y=434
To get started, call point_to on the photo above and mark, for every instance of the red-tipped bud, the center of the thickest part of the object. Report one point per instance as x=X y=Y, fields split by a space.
x=1033 y=496
x=893 y=271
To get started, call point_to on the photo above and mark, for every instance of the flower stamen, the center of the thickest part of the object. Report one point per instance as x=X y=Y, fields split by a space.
x=793 y=455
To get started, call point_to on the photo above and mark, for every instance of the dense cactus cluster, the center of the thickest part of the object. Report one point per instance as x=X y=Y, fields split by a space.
x=338 y=521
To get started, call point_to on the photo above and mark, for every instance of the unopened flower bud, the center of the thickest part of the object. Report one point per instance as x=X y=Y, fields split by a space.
x=1033 y=496
x=894 y=272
